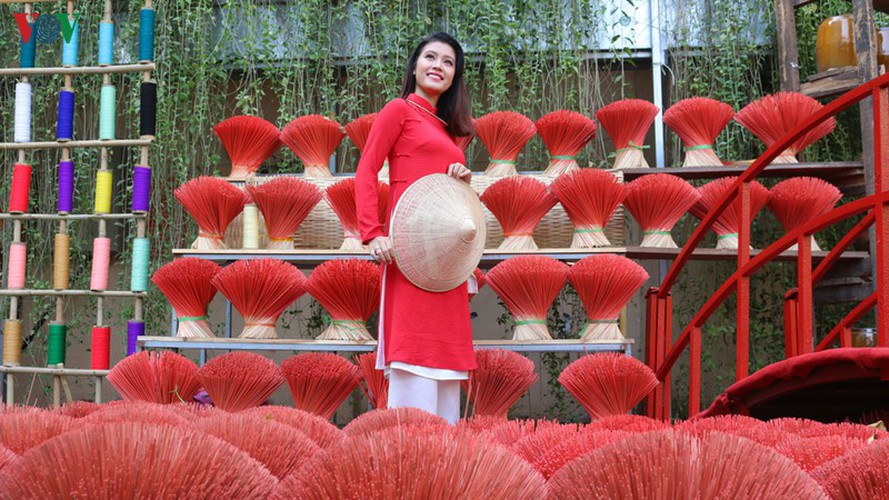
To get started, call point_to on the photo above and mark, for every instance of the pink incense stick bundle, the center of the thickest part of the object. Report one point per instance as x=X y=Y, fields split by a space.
x=284 y=203
x=528 y=284
x=319 y=430
x=565 y=134
x=406 y=418
x=341 y=198
x=157 y=377
x=770 y=118
x=260 y=289
x=240 y=380
x=188 y=285
x=609 y=383
x=657 y=202
x=862 y=473
x=605 y=283
x=589 y=197
x=798 y=200
x=249 y=140
x=728 y=224
x=811 y=453
x=502 y=377
x=376 y=385
x=504 y=134
x=313 y=138
x=626 y=123
x=349 y=290
x=213 y=204
x=518 y=203
x=698 y=121
x=320 y=382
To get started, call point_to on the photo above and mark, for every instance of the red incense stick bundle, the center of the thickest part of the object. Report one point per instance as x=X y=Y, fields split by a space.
x=349 y=289
x=341 y=198
x=657 y=202
x=213 y=204
x=608 y=383
x=359 y=128
x=528 y=284
x=698 y=121
x=260 y=289
x=626 y=123
x=187 y=284
x=798 y=200
x=240 y=380
x=320 y=382
x=313 y=138
x=565 y=134
x=589 y=197
x=284 y=203
x=518 y=203
x=376 y=385
x=504 y=134
x=157 y=377
x=605 y=283
x=771 y=117
x=249 y=140
x=728 y=224
x=502 y=377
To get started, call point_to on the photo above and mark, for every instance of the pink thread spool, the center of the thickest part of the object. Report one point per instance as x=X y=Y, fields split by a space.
x=18 y=254
x=101 y=261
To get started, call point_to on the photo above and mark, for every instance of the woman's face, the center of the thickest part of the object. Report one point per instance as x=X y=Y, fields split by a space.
x=435 y=69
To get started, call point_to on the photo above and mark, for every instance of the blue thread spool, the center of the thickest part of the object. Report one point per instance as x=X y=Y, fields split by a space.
x=139 y=272
x=106 y=43
x=146 y=35
x=29 y=49
x=69 y=49
x=65 y=124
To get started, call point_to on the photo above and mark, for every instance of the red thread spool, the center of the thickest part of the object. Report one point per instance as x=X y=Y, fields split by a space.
x=101 y=348
x=21 y=187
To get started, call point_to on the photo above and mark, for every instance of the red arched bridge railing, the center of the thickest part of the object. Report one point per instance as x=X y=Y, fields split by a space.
x=662 y=353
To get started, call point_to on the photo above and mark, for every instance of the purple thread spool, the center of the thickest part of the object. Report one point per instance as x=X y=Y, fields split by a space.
x=66 y=187
x=141 y=188
x=134 y=330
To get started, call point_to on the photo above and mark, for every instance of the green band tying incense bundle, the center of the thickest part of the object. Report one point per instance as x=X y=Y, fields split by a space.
x=192 y=318
x=632 y=145
x=56 y=344
x=726 y=236
x=699 y=147
x=502 y=162
x=562 y=157
x=601 y=321
x=531 y=322
x=660 y=232
x=589 y=230
x=352 y=324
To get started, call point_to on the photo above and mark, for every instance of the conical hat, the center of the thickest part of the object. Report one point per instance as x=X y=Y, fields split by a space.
x=438 y=232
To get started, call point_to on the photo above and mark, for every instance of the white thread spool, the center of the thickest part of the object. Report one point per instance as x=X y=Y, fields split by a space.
x=251 y=226
x=22 y=128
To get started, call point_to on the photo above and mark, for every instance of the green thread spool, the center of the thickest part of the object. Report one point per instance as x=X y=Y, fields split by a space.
x=55 y=351
x=104 y=180
x=107 y=115
x=139 y=271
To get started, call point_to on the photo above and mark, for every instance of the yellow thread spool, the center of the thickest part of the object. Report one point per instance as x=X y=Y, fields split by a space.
x=104 y=181
x=61 y=258
x=12 y=342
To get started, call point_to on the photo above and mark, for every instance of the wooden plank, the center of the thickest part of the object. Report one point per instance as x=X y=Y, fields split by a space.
x=838 y=83
x=80 y=70
x=788 y=53
x=827 y=171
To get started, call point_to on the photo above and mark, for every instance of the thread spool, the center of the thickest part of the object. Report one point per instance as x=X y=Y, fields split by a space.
x=135 y=329
x=104 y=180
x=70 y=49
x=22 y=120
x=148 y=109
x=18 y=256
x=65 y=123
x=20 y=190
x=146 y=34
x=141 y=189
x=100 y=356
x=28 y=54
x=66 y=187
x=57 y=343
x=101 y=261
x=139 y=271
x=106 y=43
x=12 y=342
x=61 y=261
x=107 y=112
x=251 y=226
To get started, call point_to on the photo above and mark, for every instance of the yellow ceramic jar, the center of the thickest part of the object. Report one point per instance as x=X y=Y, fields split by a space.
x=835 y=47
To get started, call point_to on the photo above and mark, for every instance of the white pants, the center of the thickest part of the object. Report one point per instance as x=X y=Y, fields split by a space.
x=439 y=397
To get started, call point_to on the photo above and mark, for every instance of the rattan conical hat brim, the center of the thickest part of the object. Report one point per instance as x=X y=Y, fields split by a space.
x=438 y=232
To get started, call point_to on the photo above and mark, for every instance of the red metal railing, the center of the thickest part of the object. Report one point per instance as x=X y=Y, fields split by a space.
x=661 y=355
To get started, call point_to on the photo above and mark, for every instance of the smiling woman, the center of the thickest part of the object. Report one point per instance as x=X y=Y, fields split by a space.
x=425 y=338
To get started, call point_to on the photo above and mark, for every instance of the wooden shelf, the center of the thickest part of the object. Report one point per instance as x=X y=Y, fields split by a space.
x=831 y=82
x=309 y=258
x=572 y=345
x=826 y=171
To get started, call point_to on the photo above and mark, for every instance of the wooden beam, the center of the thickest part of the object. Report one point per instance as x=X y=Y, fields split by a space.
x=788 y=53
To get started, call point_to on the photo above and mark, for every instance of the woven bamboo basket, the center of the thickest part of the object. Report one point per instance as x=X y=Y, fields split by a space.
x=322 y=229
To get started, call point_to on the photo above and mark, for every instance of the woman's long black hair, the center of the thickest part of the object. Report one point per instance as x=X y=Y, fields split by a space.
x=453 y=105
